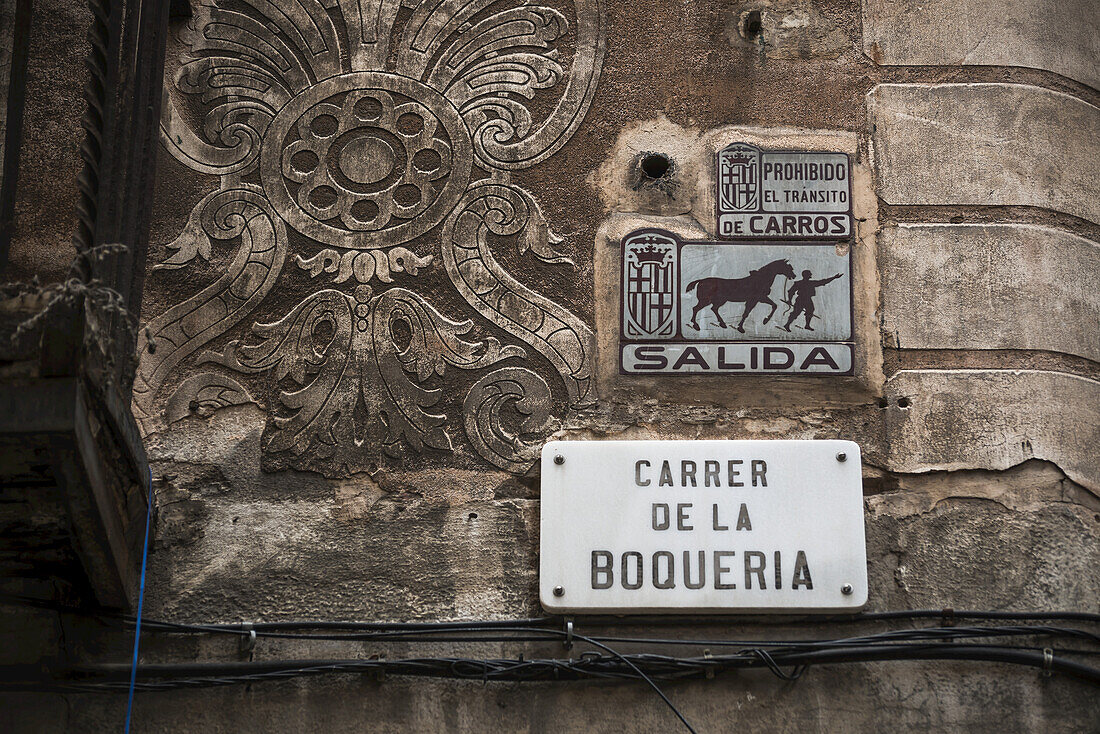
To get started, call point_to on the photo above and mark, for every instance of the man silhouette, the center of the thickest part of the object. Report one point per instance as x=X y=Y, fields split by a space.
x=801 y=297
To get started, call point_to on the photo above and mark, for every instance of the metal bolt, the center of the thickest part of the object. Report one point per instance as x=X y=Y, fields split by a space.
x=842 y=456
x=846 y=589
x=559 y=459
x=559 y=591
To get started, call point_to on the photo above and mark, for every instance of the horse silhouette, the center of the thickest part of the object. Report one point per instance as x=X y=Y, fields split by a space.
x=754 y=288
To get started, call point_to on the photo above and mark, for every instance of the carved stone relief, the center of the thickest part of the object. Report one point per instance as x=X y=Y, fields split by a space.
x=383 y=132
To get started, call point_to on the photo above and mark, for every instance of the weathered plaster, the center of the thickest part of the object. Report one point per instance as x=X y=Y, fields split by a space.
x=930 y=698
x=986 y=144
x=1060 y=37
x=990 y=286
x=787 y=29
x=993 y=419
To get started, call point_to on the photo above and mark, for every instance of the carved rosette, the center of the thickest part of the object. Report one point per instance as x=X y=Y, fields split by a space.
x=366 y=160
x=385 y=140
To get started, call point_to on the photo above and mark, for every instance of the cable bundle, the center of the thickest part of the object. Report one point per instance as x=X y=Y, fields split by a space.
x=787 y=659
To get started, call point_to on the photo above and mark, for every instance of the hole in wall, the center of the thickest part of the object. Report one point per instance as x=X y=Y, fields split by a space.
x=655 y=165
x=751 y=25
x=401 y=333
x=904 y=403
x=472 y=516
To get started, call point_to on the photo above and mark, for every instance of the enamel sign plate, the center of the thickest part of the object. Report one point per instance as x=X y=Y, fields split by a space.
x=775 y=194
x=721 y=308
x=702 y=526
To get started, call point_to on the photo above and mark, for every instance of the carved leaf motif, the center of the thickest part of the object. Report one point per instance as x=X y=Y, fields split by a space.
x=481 y=61
x=357 y=384
x=205 y=393
x=495 y=55
x=525 y=393
x=364 y=265
x=237 y=145
x=289 y=43
x=538 y=238
x=511 y=141
x=248 y=277
x=191 y=242
x=247 y=59
x=325 y=261
x=565 y=340
x=297 y=347
x=434 y=342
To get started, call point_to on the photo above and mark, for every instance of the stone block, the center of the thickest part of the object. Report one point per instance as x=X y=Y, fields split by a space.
x=946 y=420
x=1060 y=37
x=939 y=541
x=986 y=144
x=49 y=161
x=990 y=286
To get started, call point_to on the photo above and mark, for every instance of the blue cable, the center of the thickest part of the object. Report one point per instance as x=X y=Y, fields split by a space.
x=141 y=601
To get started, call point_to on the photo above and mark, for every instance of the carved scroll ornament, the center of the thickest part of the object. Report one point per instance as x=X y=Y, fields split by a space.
x=383 y=133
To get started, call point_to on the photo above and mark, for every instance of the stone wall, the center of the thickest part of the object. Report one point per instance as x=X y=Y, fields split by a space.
x=46 y=192
x=343 y=410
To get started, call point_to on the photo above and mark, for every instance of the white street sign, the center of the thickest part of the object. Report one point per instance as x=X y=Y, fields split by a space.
x=702 y=527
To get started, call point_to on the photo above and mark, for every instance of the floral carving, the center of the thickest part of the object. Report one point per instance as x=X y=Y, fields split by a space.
x=356 y=393
x=384 y=133
x=364 y=265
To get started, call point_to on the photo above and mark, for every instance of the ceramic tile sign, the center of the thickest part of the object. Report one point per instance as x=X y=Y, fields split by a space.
x=702 y=527
x=728 y=308
x=783 y=194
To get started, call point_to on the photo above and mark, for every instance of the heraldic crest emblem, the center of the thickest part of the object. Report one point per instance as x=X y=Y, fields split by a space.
x=739 y=177
x=363 y=151
x=649 y=286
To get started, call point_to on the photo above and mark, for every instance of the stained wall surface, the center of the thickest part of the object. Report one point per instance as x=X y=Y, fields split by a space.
x=45 y=192
x=384 y=273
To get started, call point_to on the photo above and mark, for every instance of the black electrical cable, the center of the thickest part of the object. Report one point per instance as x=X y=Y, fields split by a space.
x=782 y=620
x=614 y=665
x=539 y=634
x=644 y=677
x=598 y=620
x=911 y=644
x=409 y=631
x=964 y=614
x=921 y=634
x=534 y=634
